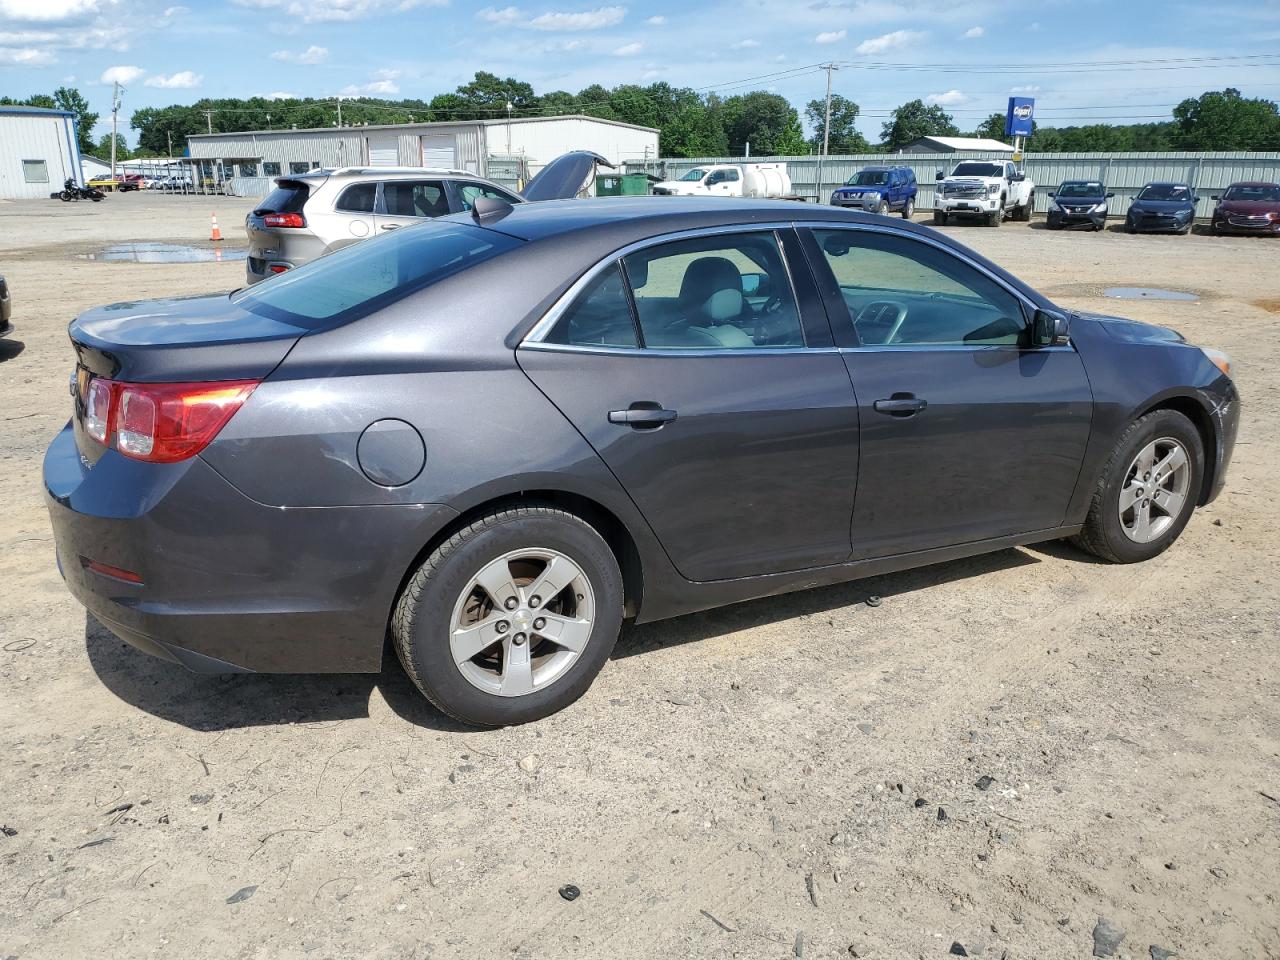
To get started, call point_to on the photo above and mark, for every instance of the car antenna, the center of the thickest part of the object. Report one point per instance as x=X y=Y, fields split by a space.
x=489 y=210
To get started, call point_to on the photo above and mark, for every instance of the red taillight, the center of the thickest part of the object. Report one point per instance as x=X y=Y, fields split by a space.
x=161 y=422
x=284 y=220
x=107 y=570
x=277 y=267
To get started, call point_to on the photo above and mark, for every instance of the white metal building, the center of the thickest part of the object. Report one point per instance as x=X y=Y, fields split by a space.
x=956 y=145
x=38 y=151
x=250 y=159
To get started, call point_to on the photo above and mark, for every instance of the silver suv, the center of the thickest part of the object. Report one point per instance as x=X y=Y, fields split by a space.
x=310 y=214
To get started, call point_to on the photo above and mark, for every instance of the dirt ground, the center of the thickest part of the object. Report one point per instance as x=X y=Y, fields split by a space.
x=783 y=778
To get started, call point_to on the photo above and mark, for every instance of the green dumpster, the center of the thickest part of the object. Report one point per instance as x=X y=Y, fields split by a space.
x=624 y=185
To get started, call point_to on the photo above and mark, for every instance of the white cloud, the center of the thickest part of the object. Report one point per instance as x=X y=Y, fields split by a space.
x=183 y=80
x=948 y=99
x=889 y=41
x=746 y=45
x=1029 y=88
x=125 y=75
x=312 y=54
x=656 y=21
x=340 y=11
x=831 y=36
x=596 y=19
x=25 y=56
x=282 y=95
x=973 y=33
x=383 y=83
x=170 y=12
x=47 y=11
x=628 y=50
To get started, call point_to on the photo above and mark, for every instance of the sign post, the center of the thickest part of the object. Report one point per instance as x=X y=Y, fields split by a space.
x=1019 y=121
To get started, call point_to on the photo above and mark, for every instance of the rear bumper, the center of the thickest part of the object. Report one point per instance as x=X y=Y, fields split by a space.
x=228 y=584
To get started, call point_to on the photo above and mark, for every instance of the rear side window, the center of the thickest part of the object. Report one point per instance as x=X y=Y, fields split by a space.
x=469 y=192
x=290 y=196
x=600 y=316
x=415 y=198
x=357 y=280
x=358 y=198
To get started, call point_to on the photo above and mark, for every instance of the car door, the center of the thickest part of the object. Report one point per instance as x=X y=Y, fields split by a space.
x=729 y=419
x=352 y=217
x=404 y=202
x=968 y=432
x=895 y=190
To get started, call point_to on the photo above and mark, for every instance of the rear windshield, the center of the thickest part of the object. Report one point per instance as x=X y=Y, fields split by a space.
x=1165 y=191
x=289 y=196
x=364 y=277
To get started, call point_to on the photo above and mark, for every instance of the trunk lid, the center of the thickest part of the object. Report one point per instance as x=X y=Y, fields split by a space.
x=565 y=177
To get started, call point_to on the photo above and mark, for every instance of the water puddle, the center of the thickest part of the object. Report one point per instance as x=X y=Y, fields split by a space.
x=1147 y=293
x=164 y=253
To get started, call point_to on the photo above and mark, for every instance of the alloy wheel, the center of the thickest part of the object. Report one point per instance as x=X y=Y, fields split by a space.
x=522 y=622
x=1155 y=490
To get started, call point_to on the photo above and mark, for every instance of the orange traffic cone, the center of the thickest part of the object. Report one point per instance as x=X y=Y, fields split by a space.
x=214 y=232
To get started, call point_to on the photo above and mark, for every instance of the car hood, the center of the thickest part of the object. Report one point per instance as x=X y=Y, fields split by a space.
x=860 y=188
x=565 y=177
x=1162 y=206
x=1079 y=201
x=1249 y=206
x=1133 y=331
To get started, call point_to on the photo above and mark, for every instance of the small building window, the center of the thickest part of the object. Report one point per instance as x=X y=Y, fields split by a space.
x=35 y=171
x=270 y=168
x=299 y=167
x=248 y=169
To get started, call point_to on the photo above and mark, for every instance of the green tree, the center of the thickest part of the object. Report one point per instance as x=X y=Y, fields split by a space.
x=914 y=120
x=765 y=121
x=845 y=137
x=103 y=148
x=992 y=128
x=1227 y=121
x=69 y=98
x=488 y=95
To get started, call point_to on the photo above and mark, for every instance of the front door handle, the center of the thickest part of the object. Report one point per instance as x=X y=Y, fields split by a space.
x=389 y=226
x=642 y=416
x=900 y=405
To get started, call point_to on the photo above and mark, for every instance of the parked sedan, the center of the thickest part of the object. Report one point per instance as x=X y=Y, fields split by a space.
x=1248 y=207
x=1078 y=203
x=1162 y=208
x=6 y=309
x=494 y=436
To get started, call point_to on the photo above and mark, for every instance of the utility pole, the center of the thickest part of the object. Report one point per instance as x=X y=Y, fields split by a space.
x=208 y=119
x=115 y=110
x=339 y=110
x=169 y=134
x=826 y=130
x=510 y=106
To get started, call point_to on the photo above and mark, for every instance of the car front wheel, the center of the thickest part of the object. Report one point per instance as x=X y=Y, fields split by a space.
x=908 y=209
x=1147 y=491
x=511 y=618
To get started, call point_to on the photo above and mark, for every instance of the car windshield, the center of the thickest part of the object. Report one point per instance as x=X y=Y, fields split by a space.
x=363 y=277
x=973 y=169
x=1080 y=188
x=1266 y=192
x=868 y=178
x=697 y=173
x=1165 y=191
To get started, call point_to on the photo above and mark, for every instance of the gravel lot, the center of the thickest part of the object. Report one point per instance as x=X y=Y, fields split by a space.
x=788 y=777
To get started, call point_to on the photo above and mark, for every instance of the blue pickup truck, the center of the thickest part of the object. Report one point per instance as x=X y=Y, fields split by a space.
x=879 y=190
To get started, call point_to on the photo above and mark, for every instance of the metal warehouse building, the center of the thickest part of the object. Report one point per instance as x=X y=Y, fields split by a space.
x=38 y=151
x=504 y=150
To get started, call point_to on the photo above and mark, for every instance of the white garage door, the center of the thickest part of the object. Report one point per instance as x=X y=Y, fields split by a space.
x=439 y=150
x=384 y=151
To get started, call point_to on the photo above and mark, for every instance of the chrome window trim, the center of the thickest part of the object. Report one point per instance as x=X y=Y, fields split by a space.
x=549 y=319
x=669 y=352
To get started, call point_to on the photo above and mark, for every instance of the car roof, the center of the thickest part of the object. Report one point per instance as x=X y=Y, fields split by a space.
x=385 y=173
x=1252 y=183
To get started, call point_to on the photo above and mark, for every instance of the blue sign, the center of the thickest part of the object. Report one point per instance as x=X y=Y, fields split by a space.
x=1018 y=120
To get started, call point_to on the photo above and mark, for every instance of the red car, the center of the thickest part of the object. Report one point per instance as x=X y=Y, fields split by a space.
x=1248 y=207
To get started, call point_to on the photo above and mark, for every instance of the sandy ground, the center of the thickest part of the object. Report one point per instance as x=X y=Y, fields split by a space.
x=784 y=778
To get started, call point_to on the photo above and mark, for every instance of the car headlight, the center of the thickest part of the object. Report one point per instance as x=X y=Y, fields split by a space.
x=1098 y=208
x=1218 y=359
x=993 y=189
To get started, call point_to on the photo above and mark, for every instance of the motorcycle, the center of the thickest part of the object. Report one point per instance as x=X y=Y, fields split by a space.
x=73 y=191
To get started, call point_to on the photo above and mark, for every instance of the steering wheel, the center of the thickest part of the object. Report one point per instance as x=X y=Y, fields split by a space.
x=883 y=313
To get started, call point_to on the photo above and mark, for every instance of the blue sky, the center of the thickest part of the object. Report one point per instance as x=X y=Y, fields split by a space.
x=1093 y=59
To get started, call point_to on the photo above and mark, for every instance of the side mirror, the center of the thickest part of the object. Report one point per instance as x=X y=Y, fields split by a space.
x=1049 y=329
x=1110 y=196
x=1053 y=194
x=938 y=175
x=1017 y=178
x=756 y=285
x=1215 y=197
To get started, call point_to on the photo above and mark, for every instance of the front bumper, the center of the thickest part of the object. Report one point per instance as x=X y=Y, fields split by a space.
x=862 y=202
x=1245 y=225
x=229 y=583
x=1158 y=222
x=1061 y=218
x=1226 y=421
x=967 y=206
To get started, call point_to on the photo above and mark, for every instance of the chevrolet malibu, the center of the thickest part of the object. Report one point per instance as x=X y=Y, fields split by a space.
x=493 y=437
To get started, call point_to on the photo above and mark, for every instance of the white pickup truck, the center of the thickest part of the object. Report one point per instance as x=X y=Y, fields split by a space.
x=729 y=180
x=989 y=189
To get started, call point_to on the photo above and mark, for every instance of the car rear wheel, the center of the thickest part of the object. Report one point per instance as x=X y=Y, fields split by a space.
x=939 y=218
x=908 y=209
x=511 y=618
x=1147 y=491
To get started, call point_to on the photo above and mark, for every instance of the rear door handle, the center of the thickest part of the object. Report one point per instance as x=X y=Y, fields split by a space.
x=900 y=405
x=644 y=417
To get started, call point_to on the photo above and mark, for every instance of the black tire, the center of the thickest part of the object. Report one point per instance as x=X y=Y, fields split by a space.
x=421 y=622
x=1025 y=211
x=880 y=206
x=939 y=218
x=996 y=217
x=908 y=208
x=1130 y=228
x=1103 y=535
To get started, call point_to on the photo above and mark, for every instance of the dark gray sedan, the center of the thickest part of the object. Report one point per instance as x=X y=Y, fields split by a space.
x=494 y=436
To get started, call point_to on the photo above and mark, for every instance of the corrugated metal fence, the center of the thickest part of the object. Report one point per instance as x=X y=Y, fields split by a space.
x=1123 y=173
